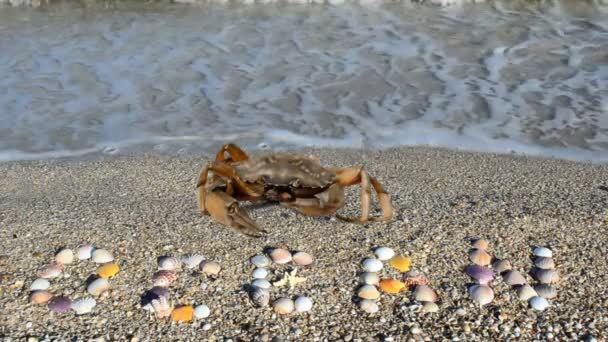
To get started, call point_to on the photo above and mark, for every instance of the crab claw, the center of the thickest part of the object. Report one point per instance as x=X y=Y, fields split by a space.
x=225 y=209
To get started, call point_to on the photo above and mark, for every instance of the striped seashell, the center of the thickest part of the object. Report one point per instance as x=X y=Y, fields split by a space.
x=98 y=286
x=83 y=305
x=525 y=292
x=40 y=284
x=499 y=266
x=192 y=261
x=164 y=278
x=168 y=263
x=544 y=263
x=40 y=296
x=84 y=252
x=546 y=276
x=539 y=303
x=51 y=270
x=64 y=256
x=415 y=278
x=542 y=252
x=513 y=277
x=259 y=296
x=546 y=291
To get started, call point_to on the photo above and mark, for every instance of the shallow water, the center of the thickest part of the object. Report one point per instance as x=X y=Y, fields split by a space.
x=177 y=78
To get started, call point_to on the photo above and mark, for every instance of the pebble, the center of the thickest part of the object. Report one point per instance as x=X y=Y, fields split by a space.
x=206 y=326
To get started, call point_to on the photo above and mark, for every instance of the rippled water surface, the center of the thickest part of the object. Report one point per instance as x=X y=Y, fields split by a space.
x=185 y=78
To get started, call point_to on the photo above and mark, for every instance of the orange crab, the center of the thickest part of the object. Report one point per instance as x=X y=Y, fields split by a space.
x=294 y=181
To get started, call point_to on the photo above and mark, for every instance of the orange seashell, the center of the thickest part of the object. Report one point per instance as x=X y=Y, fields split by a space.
x=402 y=263
x=39 y=297
x=391 y=286
x=480 y=257
x=108 y=270
x=182 y=313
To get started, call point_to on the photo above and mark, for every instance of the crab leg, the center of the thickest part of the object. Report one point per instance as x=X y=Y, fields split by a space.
x=234 y=154
x=225 y=209
x=323 y=203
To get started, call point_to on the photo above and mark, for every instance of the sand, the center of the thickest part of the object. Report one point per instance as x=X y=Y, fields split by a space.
x=144 y=207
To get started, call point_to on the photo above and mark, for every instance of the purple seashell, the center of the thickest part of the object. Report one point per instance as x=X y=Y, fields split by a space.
x=481 y=274
x=60 y=304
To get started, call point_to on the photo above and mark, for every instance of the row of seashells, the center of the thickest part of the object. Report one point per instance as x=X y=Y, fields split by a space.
x=370 y=281
x=481 y=292
x=40 y=293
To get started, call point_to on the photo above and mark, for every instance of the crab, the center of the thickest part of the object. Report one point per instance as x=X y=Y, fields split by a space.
x=294 y=181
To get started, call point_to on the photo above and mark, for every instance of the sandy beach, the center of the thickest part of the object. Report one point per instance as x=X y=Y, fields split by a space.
x=144 y=207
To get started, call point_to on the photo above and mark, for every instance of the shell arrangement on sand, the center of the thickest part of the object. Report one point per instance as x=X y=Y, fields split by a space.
x=260 y=288
x=479 y=271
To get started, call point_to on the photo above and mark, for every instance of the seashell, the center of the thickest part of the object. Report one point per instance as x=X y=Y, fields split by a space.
x=260 y=261
x=280 y=256
x=152 y=294
x=202 y=311
x=401 y=263
x=164 y=278
x=525 y=292
x=544 y=263
x=546 y=291
x=40 y=296
x=546 y=276
x=368 y=306
x=368 y=292
x=303 y=304
x=501 y=266
x=283 y=306
x=480 y=244
x=371 y=265
x=261 y=283
x=481 y=274
x=182 y=313
x=480 y=257
x=542 y=252
x=83 y=305
x=430 y=307
x=259 y=273
x=210 y=267
x=192 y=261
x=302 y=259
x=60 y=304
x=369 y=278
x=84 y=252
x=259 y=296
x=539 y=303
x=108 y=270
x=513 y=277
x=162 y=307
x=40 y=284
x=482 y=294
x=98 y=286
x=102 y=256
x=168 y=263
x=391 y=286
x=415 y=278
x=424 y=293
x=51 y=270
x=384 y=253
x=64 y=256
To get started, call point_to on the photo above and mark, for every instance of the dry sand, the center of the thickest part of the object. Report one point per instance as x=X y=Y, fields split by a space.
x=144 y=207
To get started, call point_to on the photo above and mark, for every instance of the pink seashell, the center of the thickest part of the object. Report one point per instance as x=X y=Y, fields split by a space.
x=302 y=258
x=280 y=256
x=51 y=270
x=415 y=278
x=164 y=278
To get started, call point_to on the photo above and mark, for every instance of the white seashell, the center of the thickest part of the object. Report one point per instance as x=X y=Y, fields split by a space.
x=259 y=273
x=539 y=303
x=544 y=263
x=368 y=306
x=500 y=266
x=481 y=244
x=302 y=258
x=424 y=293
x=83 y=305
x=98 y=286
x=546 y=276
x=369 y=278
x=371 y=265
x=513 y=277
x=192 y=261
x=40 y=284
x=102 y=256
x=482 y=294
x=210 y=267
x=162 y=307
x=169 y=263
x=525 y=292
x=280 y=256
x=430 y=307
x=64 y=256
x=543 y=252
x=259 y=296
x=384 y=253
x=261 y=283
x=283 y=306
x=260 y=261
x=368 y=292
x=52 y=270
x=303 y=304
x=84 y=252
x=546 y=291
x=202 y=311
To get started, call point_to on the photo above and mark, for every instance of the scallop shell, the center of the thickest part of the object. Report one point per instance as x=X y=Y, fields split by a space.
x=542 y=252
x=182 y=313
x=371 y=265
x=102 y=256
x=60 y=304
x=368 y=306
x=168 y=263
x=480 y=244
x=539 y=303
x=501 y=265
x=108 y=270
x=202 y=311
x=424 y=293
x=259 y=296
x=391 y=286
x=369 y=278
x=415 y=278
x=83 y=305
x=40 y=284
x=546 y=291
x=481 y=274
x=210 y=267
x=192 y=261
x=280 y=256
x=513 y=277
x=525 y=292
x=544 y=263
x=430 y=307
x=260 y=261
x=64 y=256
x=51 y=270
x=482 y=294
x=384 y=253
x=480 y=257
x=368 y=292
x=259 y=273
x=283 y=306
x=401 y=263
x=261 y=283
x=302 y=259
x=546 y=276
x=303 y=304
x=98 y=286
x=164 y=278
x=40 y=296
x=162 y=307
x=84 y=252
